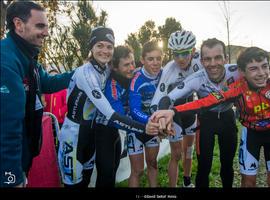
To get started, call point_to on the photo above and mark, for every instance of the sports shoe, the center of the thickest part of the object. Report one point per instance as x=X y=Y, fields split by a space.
x=191 y=185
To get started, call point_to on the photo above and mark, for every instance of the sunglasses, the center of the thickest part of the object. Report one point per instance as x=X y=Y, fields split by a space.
x=182 y=53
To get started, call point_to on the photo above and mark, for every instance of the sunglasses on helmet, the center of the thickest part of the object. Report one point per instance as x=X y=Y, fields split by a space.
x=182 y=53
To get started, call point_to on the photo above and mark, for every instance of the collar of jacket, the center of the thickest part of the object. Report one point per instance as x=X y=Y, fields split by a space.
x=30 y=50
x=98 y=66
x=124 y=82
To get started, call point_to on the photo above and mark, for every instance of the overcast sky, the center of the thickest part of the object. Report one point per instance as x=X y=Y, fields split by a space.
x=250 y=20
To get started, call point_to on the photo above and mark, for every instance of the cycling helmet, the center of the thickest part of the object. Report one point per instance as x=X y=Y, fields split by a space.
x=181 y=40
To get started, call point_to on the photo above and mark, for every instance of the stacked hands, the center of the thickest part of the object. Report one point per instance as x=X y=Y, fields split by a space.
x=161 y=124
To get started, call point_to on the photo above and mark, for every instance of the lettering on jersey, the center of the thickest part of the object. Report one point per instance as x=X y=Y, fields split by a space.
x=181 y=85
x=196 y=55
x=261 y=107
x=75 y=107
x=114 y=90
x=162 y=87
x=127 y=126
x=230 y=80
x=217 y=95
x=96 y=94
x=132 y=85
x=68 y=160
x=195 y=67
x=232 y=68
x=267 y=94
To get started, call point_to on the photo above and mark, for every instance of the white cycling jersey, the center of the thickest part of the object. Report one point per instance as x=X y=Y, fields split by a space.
x=85 y=93
x=172 y=75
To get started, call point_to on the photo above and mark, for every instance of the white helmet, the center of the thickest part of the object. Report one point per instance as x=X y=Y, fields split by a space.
x=181 y=40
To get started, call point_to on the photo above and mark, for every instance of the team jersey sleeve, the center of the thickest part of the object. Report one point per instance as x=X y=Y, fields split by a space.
x=183 y=89
x=212 y=100
x=135 y=100
x=162 y=88
x=89 y=83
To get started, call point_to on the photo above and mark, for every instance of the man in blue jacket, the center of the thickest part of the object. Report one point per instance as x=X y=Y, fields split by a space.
x=22 y=82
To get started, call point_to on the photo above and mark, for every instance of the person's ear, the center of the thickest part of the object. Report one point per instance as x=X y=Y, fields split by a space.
x=226 y=58
x=19 y=24
x=241 y=72
x=142 y=60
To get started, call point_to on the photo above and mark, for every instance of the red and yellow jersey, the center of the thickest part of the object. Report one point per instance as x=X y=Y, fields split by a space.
x=254 y=106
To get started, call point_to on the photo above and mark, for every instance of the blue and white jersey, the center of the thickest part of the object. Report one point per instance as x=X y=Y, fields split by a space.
x=172 y=75
x=199 y=82
x=142 y=90
x=117 y=95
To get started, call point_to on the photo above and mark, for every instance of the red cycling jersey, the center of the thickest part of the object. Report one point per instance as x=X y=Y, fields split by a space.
x=254 y=106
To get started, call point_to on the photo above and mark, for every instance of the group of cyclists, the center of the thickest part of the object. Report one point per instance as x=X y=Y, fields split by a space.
x=109 y=93
x=192 y=95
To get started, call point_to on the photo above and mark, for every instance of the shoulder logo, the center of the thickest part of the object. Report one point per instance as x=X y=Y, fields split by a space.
x=196 y=55
x=181 y=85
x=96 y=94
x=217 y=95
x=195 y=67
x=162 y=87
x=267 y=94
x=232 y=68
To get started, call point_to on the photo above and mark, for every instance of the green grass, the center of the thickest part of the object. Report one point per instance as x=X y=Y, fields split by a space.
x=214 y=177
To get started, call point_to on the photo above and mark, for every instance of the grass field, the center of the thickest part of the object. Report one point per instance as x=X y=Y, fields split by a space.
x=214 y=177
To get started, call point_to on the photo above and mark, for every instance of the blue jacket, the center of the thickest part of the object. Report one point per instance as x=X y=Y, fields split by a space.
x=142 y=90
x=118 y=98
x=14 y=151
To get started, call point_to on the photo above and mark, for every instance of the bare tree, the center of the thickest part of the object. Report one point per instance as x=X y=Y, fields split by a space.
x=226 y=10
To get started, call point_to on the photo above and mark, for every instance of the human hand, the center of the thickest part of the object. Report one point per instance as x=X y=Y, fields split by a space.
x=152 y=127
x=169 y=130
x=160 y=114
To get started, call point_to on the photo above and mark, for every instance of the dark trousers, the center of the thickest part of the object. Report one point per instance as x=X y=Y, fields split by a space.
x=224 y=126
x=108 y=152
